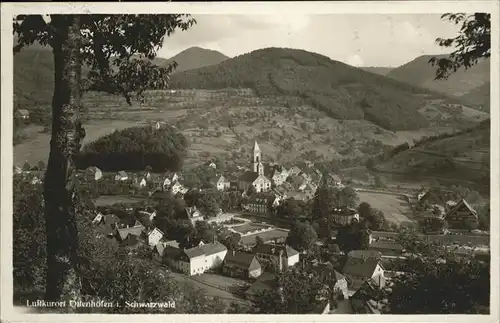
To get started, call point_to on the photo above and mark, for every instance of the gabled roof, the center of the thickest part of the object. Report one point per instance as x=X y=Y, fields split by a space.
x=92 y=169
x=205 y=249
x=135 y=231
x=192 y=212
x=240 y=259
x=386 y=245
x=272 y=249
x=249 y=177
x=267 y=281
x=364 y=268
x=364 y=254
x=24 y=112
x=326 y=270
x=159 y=248
x=431 y=194
x=460 y=204
x=335 y=177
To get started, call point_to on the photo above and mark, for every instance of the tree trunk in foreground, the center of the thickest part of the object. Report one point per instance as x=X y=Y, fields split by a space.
x=62 y=236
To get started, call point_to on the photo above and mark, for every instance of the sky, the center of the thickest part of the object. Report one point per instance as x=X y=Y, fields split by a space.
x=355 y=39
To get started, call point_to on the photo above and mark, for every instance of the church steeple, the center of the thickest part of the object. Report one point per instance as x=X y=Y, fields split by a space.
x=256 y=157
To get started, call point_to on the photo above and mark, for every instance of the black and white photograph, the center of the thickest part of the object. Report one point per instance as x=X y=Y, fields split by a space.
x=246 y=161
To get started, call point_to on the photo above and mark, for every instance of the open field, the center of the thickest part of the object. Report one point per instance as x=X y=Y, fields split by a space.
x=106 y=200
x=266 y=236
x=395 y=209
x=36 y=146
x=192 y=283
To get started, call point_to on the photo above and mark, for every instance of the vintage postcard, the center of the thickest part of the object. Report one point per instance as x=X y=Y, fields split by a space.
x=269 y=162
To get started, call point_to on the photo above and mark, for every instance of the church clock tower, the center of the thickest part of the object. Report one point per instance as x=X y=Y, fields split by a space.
x=256 y=158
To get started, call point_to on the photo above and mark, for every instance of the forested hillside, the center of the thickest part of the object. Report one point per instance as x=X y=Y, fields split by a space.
x=342 y=91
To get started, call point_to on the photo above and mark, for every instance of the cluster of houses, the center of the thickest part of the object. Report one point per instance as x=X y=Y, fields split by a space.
x=265 y=185
x=458 y=214
x=362 y=269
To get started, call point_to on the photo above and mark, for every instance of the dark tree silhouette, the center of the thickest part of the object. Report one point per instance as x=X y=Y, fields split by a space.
x=108 y=45
x=472 y=43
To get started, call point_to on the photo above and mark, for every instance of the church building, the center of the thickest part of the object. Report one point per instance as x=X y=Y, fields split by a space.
x=255 y=178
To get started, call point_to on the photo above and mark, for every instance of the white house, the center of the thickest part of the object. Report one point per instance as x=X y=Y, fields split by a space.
x=362 y=265
x=98 y=218
x=170 y=179
x=93 y=173
x=197 y=260
x=154 y=236
x=143 y=183
x=193 y=214
x=223 y=183
x=344 y=216
x=178 y=188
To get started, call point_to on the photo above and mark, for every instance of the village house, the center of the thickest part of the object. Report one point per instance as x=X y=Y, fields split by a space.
x=362 y=265
x=335 y=280
x=241 y=264
x=430 y=197
x=281 y=256
x=130 y=235
x=159 y=250
x=462 y=216
x=223 y=184
x=178 y=188
x=297 y=182
x=334 y=180
x=22 y=114
x=153 y=237
x=279 y=175
x=366 y=299
x=121 y=176
x=170 y=179
x=344 y=216
x=107 y=224
x=193 y=214
x=260 y=203
x=386 y=247
x=197 y=260
x=92 y=173
x=266 y=282
x=255 y=178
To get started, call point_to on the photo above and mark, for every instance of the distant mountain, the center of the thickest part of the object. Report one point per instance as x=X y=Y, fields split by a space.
x=192 y=58
x=378 y=70
x=479 y=97
x=420 y=72
x=342 y=91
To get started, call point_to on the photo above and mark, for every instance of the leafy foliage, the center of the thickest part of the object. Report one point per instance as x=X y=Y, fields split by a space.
x=353 y=237
x=463 y=284
x=133 y=149
x=472 y=43
x=296 y=292
x=29 y=244
x=301 y=236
